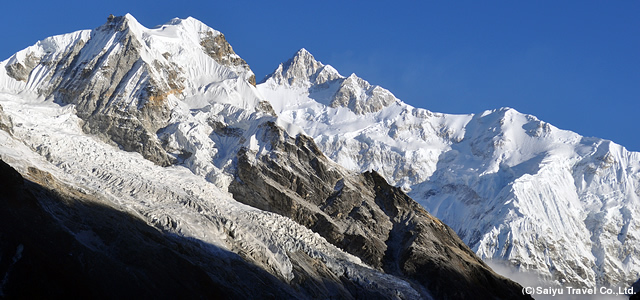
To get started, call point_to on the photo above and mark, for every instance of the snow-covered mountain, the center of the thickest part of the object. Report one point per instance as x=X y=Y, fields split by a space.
x=514 y=188
x=151 y=152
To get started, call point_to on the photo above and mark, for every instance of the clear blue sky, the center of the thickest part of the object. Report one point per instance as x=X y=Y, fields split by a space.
x=574 y=64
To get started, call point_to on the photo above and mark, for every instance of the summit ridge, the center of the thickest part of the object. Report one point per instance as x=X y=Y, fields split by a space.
x=328 y=86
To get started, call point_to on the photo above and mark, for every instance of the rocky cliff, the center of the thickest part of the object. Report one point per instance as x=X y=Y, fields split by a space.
x=365 y=216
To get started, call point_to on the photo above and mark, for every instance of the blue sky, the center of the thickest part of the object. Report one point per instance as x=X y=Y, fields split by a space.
x=574 y=64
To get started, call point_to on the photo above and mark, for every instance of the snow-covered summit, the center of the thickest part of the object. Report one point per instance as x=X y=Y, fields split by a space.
x=327 y=86
x=302 y=70
x=180 y=57
x=126 y=80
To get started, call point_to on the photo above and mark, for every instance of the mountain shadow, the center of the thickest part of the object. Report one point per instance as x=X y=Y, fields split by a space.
x=55 y=245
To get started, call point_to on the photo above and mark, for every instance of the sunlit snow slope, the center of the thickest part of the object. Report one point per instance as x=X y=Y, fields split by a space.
x=513 y=187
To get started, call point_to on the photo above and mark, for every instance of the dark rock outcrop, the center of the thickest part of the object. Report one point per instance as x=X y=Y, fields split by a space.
x=120 y=97
x=21 y=71
x=5 y=122
x=97 y=86
x=71 y=244
x=365 y=216
x=217 y=47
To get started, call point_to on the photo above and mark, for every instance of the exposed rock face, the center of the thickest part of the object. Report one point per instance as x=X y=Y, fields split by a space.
x=265 y=106
x=72 y=244
x=217 y=47
x=125 y=80
x=361 y=97
x=365 y=216
x=98 y=86
x=491 y=176
x=120 y=96
x=20 y=71
x=5 y=122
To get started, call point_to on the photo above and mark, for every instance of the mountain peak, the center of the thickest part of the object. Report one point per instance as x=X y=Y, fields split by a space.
x=121 y=23
x=124 y=70
x=130 y=18
x=302 y=70
x=303 y=52
x=300 y=67
x=353 y=92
